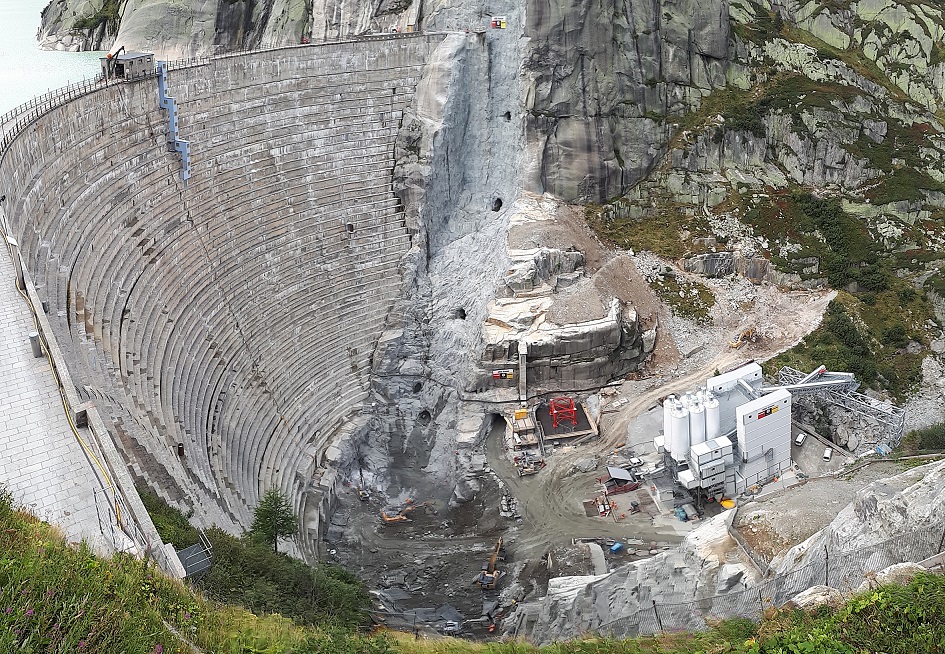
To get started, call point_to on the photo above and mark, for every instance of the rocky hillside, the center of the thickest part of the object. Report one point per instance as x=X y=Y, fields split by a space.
x=794 y=142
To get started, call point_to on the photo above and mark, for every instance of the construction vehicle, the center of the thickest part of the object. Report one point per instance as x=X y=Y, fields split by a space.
x=745 y=336
x=401 y=515
x=489 y=575
x=111 y=60
x=528 y=464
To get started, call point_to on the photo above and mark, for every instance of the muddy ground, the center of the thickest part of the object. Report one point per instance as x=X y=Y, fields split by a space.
x=432 y=560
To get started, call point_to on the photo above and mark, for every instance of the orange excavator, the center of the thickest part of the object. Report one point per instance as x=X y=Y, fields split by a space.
x=401 y=515
x=745 y=336
x=489 y=575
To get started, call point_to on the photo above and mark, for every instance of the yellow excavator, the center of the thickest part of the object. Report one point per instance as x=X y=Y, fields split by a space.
x=745 y=336
x=489 y=575
x=401 y=515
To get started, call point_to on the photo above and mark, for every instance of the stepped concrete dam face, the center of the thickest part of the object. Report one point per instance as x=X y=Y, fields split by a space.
x=237 y=314
x=313 y=269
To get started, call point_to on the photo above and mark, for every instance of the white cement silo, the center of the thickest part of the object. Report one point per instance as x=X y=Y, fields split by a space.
x=679 y=445
x=668 y=421
x=696 y=423
x=713 y=417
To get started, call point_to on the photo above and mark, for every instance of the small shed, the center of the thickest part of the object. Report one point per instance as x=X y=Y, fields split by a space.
x=127 y=65
x=620 y=480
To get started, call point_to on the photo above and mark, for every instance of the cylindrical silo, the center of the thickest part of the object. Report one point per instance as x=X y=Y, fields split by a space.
x=713 y=417
x=686 y=400
x=668 y=421
x=696 y=423
x=680 y=443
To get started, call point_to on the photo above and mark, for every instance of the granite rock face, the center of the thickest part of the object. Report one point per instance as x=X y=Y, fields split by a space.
x=604 y=78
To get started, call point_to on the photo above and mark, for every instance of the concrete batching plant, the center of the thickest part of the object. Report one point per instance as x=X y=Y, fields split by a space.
x=728 y=436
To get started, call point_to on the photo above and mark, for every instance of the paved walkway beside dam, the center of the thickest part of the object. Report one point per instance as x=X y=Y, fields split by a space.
x=41 y=462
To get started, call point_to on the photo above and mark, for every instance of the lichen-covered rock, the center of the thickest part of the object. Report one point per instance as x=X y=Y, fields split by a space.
x=815 y=596
x=899 y=573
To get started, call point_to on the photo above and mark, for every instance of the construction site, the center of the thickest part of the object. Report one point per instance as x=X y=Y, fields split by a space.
x=292 y=269
x=573 y=485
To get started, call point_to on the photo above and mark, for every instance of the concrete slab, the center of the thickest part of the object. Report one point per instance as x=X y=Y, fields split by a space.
x=564 y=430
x=41 y=462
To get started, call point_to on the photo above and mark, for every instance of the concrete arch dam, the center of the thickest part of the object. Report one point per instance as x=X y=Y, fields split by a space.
x=236 y=314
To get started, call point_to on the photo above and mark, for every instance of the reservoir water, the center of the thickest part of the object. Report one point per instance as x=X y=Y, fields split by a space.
x=25 y=70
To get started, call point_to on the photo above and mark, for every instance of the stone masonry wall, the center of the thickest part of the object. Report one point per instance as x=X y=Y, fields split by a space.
x=238 y=315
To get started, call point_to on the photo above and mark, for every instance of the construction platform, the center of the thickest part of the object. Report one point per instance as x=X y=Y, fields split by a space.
x=565 y=431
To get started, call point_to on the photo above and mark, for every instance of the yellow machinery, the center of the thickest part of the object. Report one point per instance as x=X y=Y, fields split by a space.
x=489 y=576
x=401 y=516
x=744 y=337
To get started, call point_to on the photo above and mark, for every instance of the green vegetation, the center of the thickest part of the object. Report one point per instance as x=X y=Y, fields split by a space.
x=688 y=299
x=929 y=439
x=788 y=93
x=109 y=15
x=273 y=519
x=62 y=599
x=866 y=335
x=246 y=571
x=867 y=328
x=659 y=236
x=57 y=598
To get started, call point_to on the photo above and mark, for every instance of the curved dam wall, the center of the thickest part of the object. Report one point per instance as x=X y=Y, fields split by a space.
x=238 y=314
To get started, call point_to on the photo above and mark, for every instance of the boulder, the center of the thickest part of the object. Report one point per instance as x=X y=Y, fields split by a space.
x=900 y=573
x=815 y=596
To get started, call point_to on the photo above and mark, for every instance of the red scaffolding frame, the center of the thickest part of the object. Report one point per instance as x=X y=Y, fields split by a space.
x=562 y=410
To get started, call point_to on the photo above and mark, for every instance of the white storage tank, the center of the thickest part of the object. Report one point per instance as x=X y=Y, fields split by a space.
x=696 y=423
x=667 y=419
x=679 y=446
x=713 y=417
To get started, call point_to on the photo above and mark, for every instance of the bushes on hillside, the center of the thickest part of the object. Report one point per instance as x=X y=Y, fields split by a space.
x=247 y=572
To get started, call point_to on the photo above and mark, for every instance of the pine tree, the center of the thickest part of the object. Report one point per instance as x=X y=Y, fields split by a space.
x=273 y=519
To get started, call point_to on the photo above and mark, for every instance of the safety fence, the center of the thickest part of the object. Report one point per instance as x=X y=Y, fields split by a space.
x=832 y=564
x=122 y=515
x=16 y=120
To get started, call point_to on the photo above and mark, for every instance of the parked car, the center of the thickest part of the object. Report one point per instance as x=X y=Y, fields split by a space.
x=828 y=453
x=800 y=439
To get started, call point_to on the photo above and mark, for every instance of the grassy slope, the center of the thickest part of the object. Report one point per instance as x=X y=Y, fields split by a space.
x=60 y=598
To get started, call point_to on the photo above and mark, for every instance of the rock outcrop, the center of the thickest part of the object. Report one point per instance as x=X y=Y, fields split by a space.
x=606 y=77
x=878 y=538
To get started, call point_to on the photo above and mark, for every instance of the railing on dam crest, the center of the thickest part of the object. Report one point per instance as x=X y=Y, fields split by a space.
x=19 y=118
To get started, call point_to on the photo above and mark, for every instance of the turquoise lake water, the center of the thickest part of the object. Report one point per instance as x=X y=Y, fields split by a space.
x=25 y=70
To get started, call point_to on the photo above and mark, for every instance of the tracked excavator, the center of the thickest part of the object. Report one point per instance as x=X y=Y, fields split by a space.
x=745 y=336
x=489 y=575
x=401 y=515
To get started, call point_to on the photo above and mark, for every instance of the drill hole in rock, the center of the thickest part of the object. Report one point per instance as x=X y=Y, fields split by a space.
x=417 y=387
x=424 y=417
x=497 y=204
x=508 y=116
x=459 y=313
